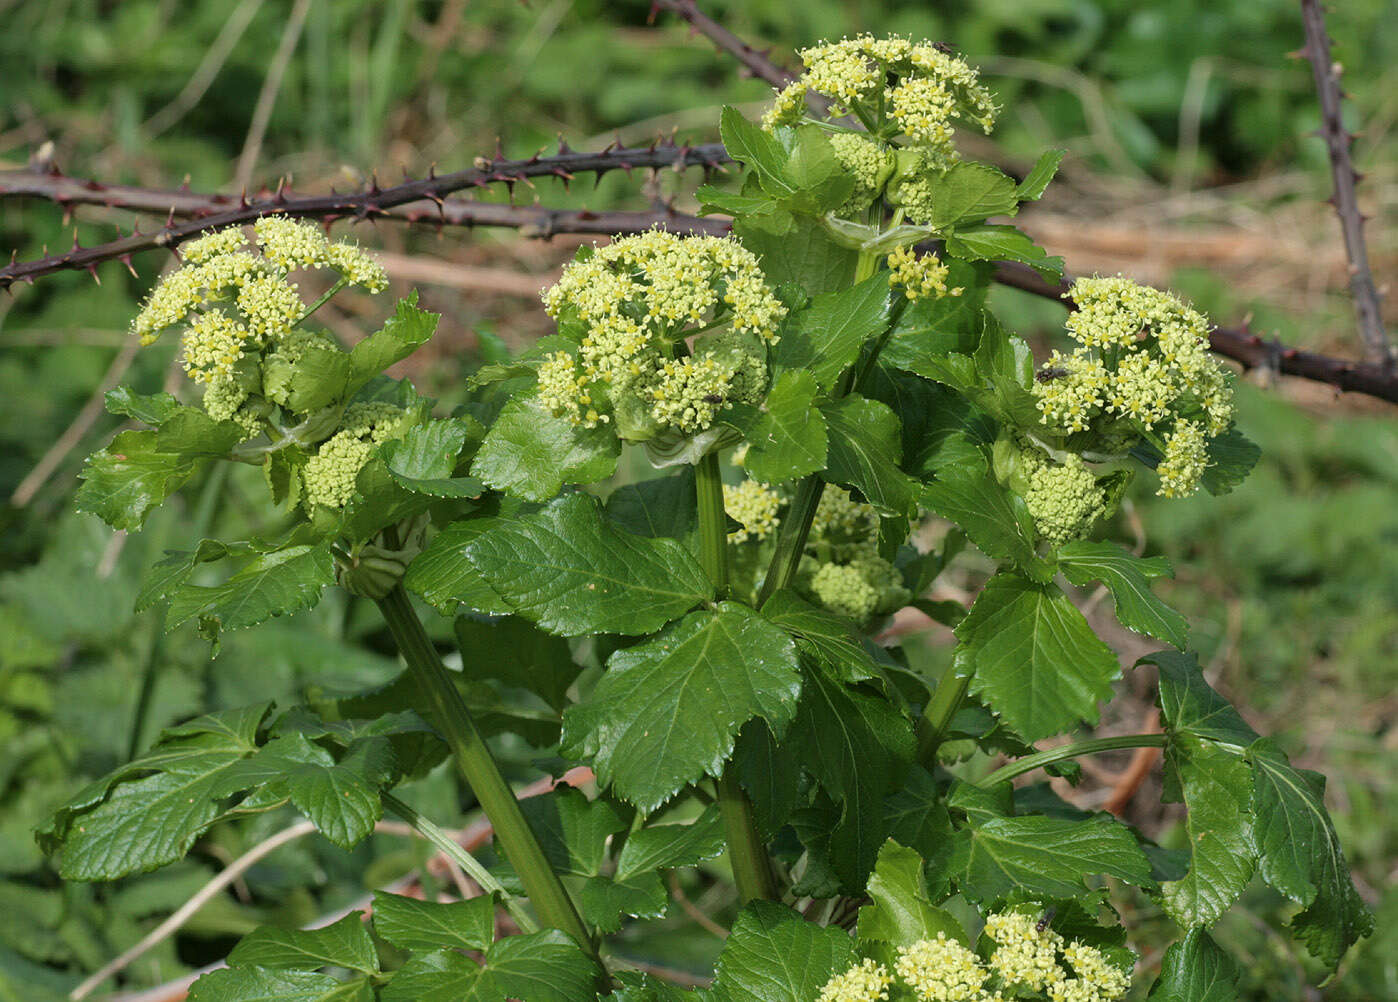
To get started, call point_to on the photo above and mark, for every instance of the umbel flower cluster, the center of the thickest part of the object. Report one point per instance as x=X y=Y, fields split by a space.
x=244 y=340
x=1026 y=962
x=631 y=307
x=841 y=569
x=1142 y=370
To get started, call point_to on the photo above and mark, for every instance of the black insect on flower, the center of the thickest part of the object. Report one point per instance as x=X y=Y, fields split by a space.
x=1045 y=918
x=1049 y=374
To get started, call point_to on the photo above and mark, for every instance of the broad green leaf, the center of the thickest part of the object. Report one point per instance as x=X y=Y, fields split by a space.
x=765 y=768
x=605 y=901
x=786 y=438
x=901 y=912
x=1032 y=188
x=340 y=798
x=1196 y=970
x=446 y=579
x=152 y=409
x=1006 y=365
x=542 y=966
x=827 y=638
x=572 y=830
x=804 y=256
x=1002 y=243
x=261 y=984
x=756 y=149
x=661 y=847
x=273 y=584
x=1190 y=706
x=403 y=333
x=857 y=745
x=123 y=482
x=1037 y=662
x=935 y=338
x=317 y=379
x=345 y=943
x=731 y=203
x=865 y=448
x=1232 y=456
x=573 y=572
x=917 y=818
x=1041 y=857
x=421 y=926
x=1128 y=577
x=424 y=460
x=1217 y=789
x=993 y=516
x=174 y=569
x=821 y=182
x=518 y=653
x=772 y=954
x=968 y=192
x=530 y=453
x=667 y=711
x=1301 y=855
x=663 y=506
x=824 y=338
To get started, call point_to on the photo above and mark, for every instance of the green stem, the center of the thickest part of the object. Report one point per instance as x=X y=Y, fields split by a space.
x=865 y=267
x=340 y=283
x=936 y=716
x=458 y=854
x=748 y=856
x=478 y=766
x=791 y=537
x=1090 y=747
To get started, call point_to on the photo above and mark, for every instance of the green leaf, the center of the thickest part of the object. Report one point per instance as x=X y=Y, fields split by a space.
x=969 y=192
x=424 y=460
x=1190 y=706
x=530 y=453
x=1232 y=456
x=1032 y=188
x=857 y=745
x=663 y=506
x=542 y=966
x=572 y=830
x=571 y=571
x=272 y=584
x=821 y=182
x=994 y=517
x=824 y=338
x=605 y=901
x=804 y=256
x=786 y=438
x=661 y=847
x=901 y=912
x=1128 y=577
x=713 y=200
x=519 y=654
x=934 y=338
x=412 y=924
x=260 y=984
x=317 y=379
x=152 y=409
x=1040 y=857
x=667 y=711
x=401 y=335
x=756 y=149
x=1301 y=855
x=1037 y=662
x=772 y=954
x=123 y=482
x=1002 y=243
x=1196 y=970
x=340 y=798
x=444 y=576
x=865 y=448
x=1217 y=788
x=823 y=636
x=345 y=943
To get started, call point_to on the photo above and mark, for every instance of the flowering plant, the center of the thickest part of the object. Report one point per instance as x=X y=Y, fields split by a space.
x=709 y=640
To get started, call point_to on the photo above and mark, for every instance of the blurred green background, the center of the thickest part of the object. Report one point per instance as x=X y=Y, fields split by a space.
x=1191 y=163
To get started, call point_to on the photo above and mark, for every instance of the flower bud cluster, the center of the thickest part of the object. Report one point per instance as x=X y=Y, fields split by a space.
x=1023 y=964
x=1063 y=497
x=329 y=476
x=631 y=304
x=239 y=305
x=1142 y=362
x=868 y=162
x=842 y=569
x=923 y=88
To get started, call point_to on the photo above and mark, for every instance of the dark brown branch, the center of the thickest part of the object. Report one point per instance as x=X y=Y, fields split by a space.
x=208 y=212
x=725 y=41
x=1337 y=144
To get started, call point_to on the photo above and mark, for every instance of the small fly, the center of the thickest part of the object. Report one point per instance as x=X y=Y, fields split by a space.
x=1045 y=919
x=945 y=47
x=712 y=398
x=1049 y=374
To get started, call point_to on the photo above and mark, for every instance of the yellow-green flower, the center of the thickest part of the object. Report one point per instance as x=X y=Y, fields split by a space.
x=866 y=981
x=921 y=276
x=1025 y=955
x=942 y=970
x=754 y=506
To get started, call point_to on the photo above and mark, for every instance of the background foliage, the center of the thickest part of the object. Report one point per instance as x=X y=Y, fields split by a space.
x=1190 y=164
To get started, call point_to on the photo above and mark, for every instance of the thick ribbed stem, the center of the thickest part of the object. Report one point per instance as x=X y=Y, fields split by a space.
x=936 y=716
x=478 y=766
x=752 y=871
